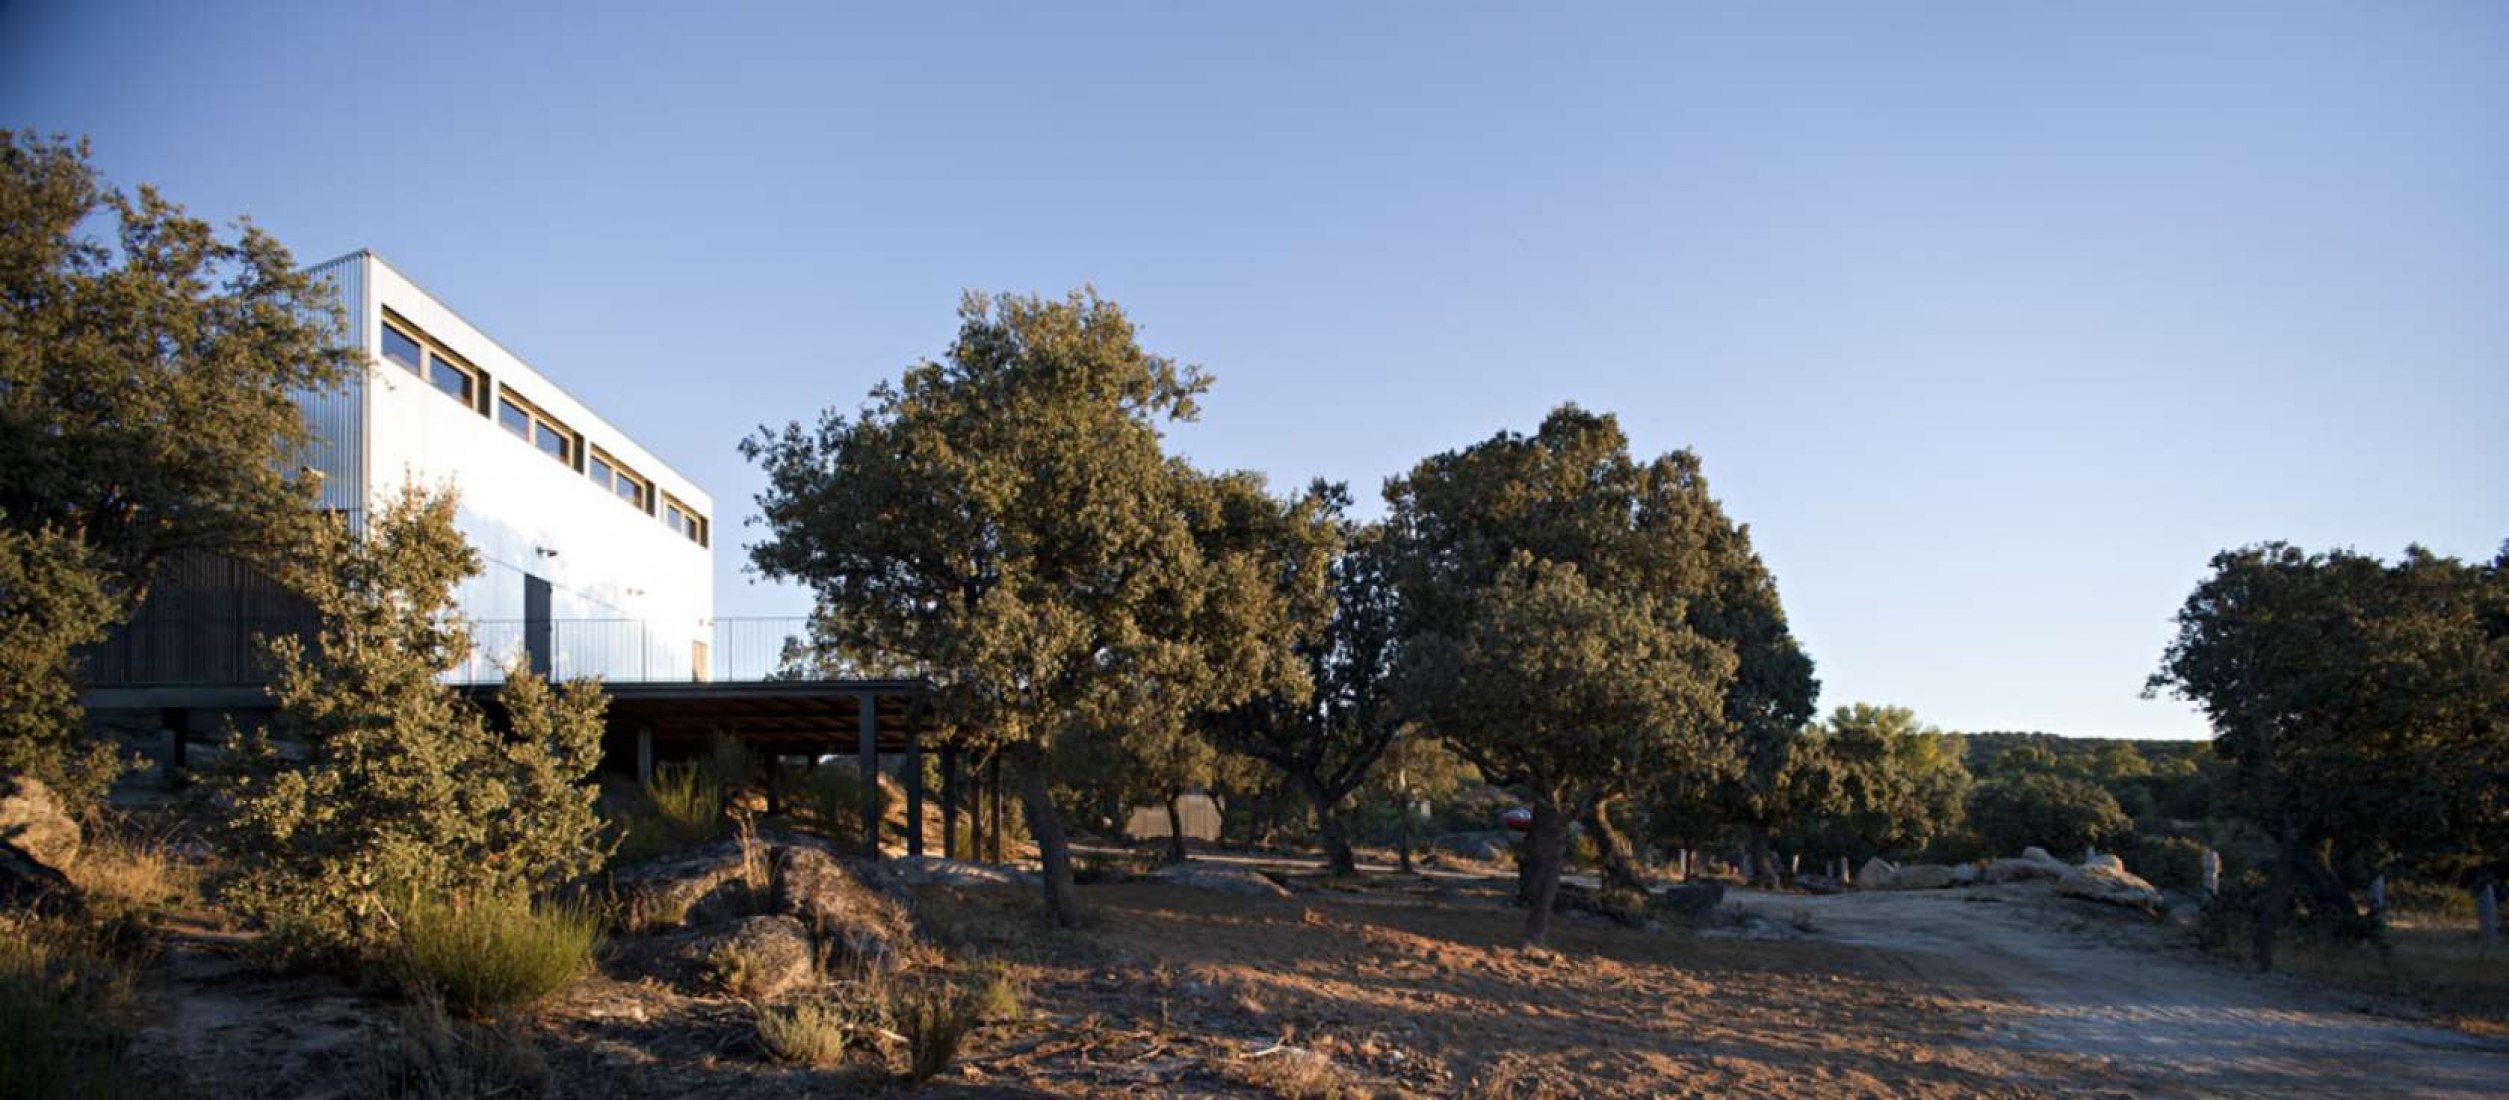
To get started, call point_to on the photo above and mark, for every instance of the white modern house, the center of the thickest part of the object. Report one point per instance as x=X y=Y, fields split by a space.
x=599 y=556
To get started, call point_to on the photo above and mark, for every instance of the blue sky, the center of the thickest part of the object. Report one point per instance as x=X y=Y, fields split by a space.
x=1993 y=321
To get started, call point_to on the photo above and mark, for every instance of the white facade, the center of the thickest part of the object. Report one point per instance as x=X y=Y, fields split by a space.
x=600 y=556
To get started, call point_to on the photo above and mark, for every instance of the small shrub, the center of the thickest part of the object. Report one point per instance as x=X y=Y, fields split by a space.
x=934 y=1019
x=997 y=993
x=739 y=973
x=2434 y=904
x=131 y=871
x=63 y=986
x=429 y=1056
x=688 y=801
x=834 y=800
x=1293 y=1074
x=2168 y=862
x=811 y=1033
x=494 y=952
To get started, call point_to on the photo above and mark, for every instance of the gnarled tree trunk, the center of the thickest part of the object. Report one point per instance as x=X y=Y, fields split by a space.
x=1546 y=852
x=1176 y=829
x=1764 y=871
x=1338 y=858
x=1045 y=827
x=1620 y=865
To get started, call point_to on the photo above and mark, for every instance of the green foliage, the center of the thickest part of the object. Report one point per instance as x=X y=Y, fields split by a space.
x=1894 y=785
x=1007 y=524
x=2361 y=703
x=1326 y=736
x=400 y=785
x=835 y=803
x=2060 y=814
x=1573 y=620
x=51 y=602
x=687 y=803
x=146 y=408
x=2169 y=862
x=485 y=954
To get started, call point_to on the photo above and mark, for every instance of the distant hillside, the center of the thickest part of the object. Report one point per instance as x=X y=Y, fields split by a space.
x=2077 y=754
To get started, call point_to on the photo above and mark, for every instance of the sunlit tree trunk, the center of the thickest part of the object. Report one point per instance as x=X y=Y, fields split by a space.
x=1045 y=827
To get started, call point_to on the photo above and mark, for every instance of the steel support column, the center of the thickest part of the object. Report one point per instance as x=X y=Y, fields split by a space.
x=869 y=750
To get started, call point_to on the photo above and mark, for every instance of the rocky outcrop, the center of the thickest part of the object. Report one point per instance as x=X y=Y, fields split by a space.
x=26 y=883
x=2113 y=885
x=1227 y=880
x=756 y=957
x=2002 y=871
x=936 y=871
x=1922 y=876
x=1876 y=874
x=862 y=926
x=33 y=822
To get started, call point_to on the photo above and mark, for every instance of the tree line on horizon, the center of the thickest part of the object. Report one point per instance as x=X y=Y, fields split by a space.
x=1581 y=626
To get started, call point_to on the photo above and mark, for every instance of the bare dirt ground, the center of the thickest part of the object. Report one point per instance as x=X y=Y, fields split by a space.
x=1413 y=986
x=2052 y=976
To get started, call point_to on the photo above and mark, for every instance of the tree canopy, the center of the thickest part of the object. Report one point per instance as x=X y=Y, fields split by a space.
x=403 y=788
x=1006 y=523
x=1547 y=584
x=147 y=406
x=2360 y=703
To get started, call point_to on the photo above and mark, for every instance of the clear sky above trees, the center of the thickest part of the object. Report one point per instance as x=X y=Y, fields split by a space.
x=1995 y=324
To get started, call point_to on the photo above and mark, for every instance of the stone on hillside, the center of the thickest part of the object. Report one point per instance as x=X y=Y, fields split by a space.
x=1922 y=876
x=1227 y=880
x=1876 y=874
x=2105 y=860
x=2038 y=855
x=756 y=957
x=26 y=883
x=936 y=871
x=2097 y=882
x=864 y=925
x=32 y=820
x=2019 y=870
x=699 y=887
x=1967 y=874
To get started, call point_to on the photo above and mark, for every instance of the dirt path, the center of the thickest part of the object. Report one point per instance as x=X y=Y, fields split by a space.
x=2061 y=977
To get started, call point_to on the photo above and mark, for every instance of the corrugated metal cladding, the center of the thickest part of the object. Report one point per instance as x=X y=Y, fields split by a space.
x=338 y=416
x=202 y=623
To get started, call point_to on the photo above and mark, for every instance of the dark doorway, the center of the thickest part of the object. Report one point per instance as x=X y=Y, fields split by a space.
x=536 y=627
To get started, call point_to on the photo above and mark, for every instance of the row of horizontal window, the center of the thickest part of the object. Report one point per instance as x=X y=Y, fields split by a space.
x=409 y=346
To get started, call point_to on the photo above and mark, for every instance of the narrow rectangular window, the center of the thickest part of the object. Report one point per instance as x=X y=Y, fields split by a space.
x=632 y=491
x=602 y=474
x=449 y=377
x=548 y=438
x=515 y=418
x=400 y=347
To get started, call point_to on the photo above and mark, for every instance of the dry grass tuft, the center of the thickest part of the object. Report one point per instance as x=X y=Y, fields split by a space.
x=934 y=1019
x=493 y=953
x=812 y=1033
x=1292 y=1074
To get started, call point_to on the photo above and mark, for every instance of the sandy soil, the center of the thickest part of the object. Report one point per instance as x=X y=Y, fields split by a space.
x=2063 y=977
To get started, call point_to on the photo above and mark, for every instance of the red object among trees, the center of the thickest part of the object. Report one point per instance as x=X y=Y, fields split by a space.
x=1517 y=820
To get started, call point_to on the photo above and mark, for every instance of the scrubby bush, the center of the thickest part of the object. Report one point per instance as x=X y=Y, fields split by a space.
x=494 y=952
x=811 y=1033
x=397 y=784
x=834 y=802
x=430 y=1056
x=935 y=1019
x=2061 y=814
x=2168 y=862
